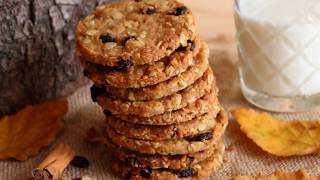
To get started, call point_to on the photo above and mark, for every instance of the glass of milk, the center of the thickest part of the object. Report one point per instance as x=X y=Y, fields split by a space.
x=279 y=52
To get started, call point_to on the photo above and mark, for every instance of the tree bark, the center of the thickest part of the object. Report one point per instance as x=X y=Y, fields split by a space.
x=37 y=42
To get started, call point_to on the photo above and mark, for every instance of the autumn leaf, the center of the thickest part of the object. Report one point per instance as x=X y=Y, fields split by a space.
x=24 y=133
x=279 y=137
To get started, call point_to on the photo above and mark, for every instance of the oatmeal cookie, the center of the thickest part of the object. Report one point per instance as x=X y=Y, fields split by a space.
x=198 y=125
x=195 y=172
x=127 y=32
x=174 y=162
x=154 y=107
x=168 y=87
x=205 y=104
x=145 y=75
x=185 y=145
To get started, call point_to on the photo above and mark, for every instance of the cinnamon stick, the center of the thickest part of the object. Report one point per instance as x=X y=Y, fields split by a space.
x=54 y=164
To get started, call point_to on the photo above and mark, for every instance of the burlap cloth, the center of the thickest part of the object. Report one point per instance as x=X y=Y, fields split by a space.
x=245 y=159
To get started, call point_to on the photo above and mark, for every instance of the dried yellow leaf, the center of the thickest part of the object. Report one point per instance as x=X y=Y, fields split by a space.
x=299 y=175
x=279 y=137
x=24 y=133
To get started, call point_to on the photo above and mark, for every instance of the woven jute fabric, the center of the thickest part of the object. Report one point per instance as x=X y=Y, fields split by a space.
x=246 y=158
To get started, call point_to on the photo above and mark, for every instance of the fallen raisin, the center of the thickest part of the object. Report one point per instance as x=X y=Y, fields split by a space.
x=185 y=173
x=96 y=92
x=146 y=173
x=180 y=11
x=123 y=64
x=80 y=162
x=106 y=38
x=201 y=137
x=151 y=11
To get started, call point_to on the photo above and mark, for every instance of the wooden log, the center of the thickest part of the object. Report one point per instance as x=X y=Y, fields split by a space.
x=37 y=42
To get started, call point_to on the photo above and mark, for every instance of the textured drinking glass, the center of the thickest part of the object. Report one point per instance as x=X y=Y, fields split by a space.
x=279 y=52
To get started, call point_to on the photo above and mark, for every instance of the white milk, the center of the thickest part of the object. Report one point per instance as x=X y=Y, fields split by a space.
x=279 y=46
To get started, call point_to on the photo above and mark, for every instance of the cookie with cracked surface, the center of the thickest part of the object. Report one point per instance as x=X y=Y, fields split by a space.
x=165 y=88
x=205 y=104
x=198 y=125
x=128 y=32
x=154 y=107
x=174 y=162
x=194 y=172
x=137 y=76
x=185 y=145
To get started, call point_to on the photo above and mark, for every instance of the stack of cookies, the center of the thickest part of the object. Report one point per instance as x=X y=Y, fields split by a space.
x=152 y=78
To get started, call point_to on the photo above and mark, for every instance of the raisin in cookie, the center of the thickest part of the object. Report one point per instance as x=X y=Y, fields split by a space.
x=130 y=32
x=185 y=145
x=168 y=87
x=205 y=104
x=198 y=125
x=174 y=162
x=194 y=172
x=154 y=107
x=144 y=75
